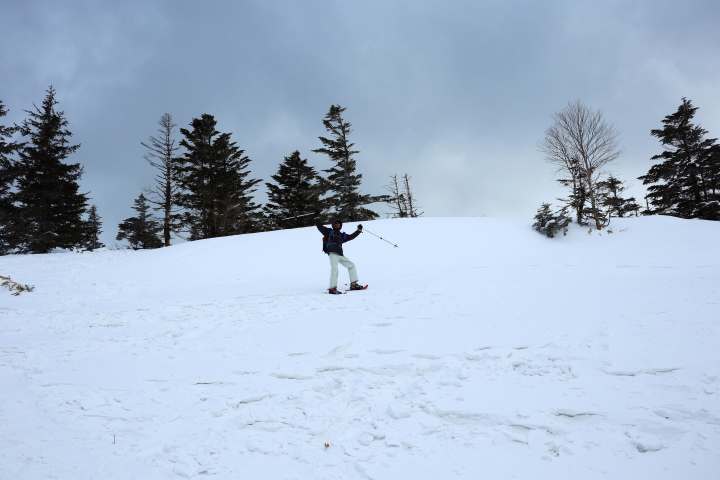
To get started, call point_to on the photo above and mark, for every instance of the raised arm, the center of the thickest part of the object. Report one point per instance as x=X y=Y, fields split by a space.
x=354 y=235
x=319 y=225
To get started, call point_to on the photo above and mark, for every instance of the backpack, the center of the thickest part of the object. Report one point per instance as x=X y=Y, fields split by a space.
x=327 y=241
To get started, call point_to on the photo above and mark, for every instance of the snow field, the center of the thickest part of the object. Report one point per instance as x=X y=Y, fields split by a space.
x=481 y=350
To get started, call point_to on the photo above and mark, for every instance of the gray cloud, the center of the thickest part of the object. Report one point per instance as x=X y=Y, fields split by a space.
x=455 y=93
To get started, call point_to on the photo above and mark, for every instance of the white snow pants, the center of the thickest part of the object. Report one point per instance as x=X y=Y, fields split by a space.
x=345 y=262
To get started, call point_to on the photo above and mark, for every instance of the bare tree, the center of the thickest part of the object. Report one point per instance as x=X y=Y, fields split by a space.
x=396 y=200
x=402 y=198
x=410 y=202
x=161 y=156
x=581 y=143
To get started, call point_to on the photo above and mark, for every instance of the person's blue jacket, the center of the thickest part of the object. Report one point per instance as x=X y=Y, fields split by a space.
x=337 y=237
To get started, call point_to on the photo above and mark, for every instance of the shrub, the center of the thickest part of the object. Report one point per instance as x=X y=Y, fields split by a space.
x=15 y=287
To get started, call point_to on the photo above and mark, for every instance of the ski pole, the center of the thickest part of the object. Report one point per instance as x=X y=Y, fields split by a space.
x=368 y=231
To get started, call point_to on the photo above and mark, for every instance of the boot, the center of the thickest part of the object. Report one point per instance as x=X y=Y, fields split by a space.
x=356 y=286
x=334 y=291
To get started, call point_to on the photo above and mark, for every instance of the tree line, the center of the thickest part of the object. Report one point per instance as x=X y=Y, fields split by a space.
x=685 y=181
x=203 y=187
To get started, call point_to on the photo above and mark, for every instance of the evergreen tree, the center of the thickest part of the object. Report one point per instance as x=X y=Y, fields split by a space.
x=9 y=224
x=48 y=197
x=342 y=182
x=611 y=198
x=550 y=223
x=91 y=234
x=141 y=231
x=686 y=183
x=215 y=191
x=161 y=155
x=296 y=191
x=578 y=198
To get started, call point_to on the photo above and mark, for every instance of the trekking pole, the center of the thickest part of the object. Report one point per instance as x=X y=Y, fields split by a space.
x=297 y=216
x=368 y=231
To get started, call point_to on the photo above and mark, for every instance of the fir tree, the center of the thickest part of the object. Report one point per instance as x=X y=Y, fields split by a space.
x=91 y=234
x=296 y=191
x=686 y=183
x=550 y=223
x=343 y=183
x=611 y=199
x=215 y=191
x=141 y=231
x=161 y=155
x=48 y=197
x=9 y=217
x=578 y=198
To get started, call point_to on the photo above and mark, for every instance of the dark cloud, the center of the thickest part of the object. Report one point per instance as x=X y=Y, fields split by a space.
x=455 y=93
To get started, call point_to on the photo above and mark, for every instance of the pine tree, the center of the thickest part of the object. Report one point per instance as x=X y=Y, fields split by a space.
x=296 y=191
x=92 y=231
x=143 y=230
x=48 y=197
x=686 y=183
x=9 y=224
x=161 y=155
x=342 y=182
x=215 y=191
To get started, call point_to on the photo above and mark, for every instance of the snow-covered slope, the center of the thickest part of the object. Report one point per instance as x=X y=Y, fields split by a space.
x=481 y=350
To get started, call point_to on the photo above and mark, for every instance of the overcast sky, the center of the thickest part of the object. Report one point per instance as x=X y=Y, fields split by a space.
x=456 y=93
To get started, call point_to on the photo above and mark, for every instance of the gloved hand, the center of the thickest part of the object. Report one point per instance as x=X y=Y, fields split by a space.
x=317 y=213
x=360 y=227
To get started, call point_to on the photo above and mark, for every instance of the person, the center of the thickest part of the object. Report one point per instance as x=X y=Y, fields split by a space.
x=334 y=248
